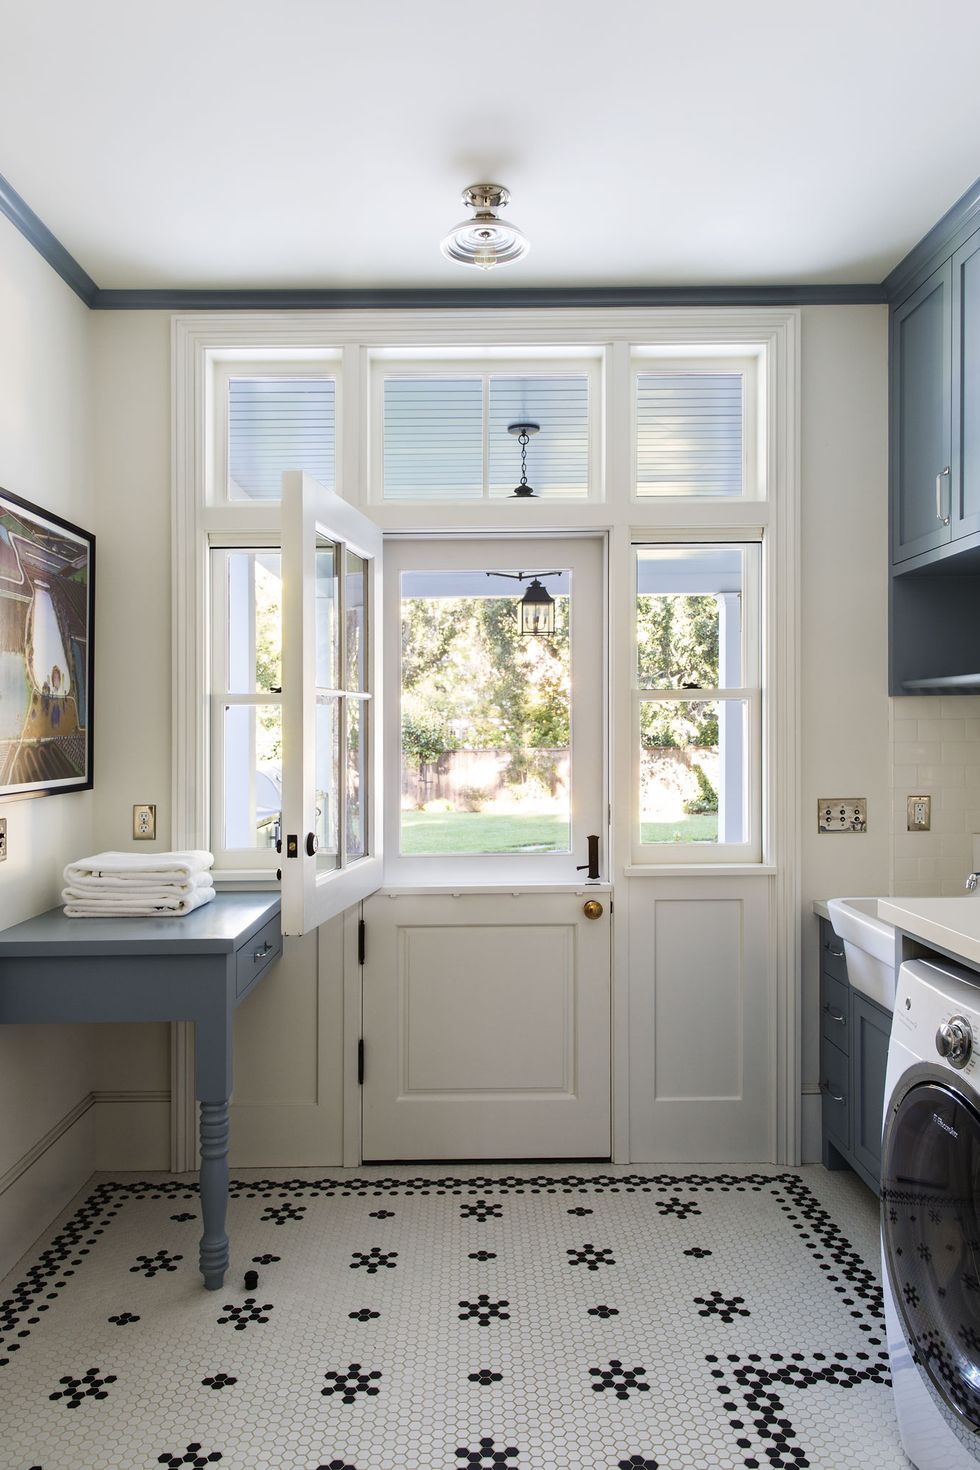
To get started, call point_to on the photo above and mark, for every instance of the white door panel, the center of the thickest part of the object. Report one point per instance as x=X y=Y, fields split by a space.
x=699 y=1019
x=486 y=1025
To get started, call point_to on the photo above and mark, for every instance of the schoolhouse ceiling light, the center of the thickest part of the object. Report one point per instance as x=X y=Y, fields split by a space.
x=485 y=240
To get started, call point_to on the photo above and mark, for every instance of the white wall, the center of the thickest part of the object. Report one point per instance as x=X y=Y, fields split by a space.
x=935 y=752
x=45 y=456
x=843 y=650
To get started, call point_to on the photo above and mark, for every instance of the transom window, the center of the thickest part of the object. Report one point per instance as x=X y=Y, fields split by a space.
x=695 y=430
x=272 y=416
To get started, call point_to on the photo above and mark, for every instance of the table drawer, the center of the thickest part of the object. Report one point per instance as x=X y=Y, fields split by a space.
x=257 y=954
x=834 y=1084
x=834 y=1001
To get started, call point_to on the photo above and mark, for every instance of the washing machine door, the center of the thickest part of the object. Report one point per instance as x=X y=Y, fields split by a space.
x=931 y=1232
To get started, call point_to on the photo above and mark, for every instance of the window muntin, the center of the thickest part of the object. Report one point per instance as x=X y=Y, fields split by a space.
x=442 y=433
x=697 y=703
x=695 y=427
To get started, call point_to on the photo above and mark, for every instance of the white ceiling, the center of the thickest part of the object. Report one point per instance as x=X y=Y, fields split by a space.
x=325 y=143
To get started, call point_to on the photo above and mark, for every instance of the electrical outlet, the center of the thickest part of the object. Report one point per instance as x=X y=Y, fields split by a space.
x=3 y=838
x=919 y=813
x=144 y=823
x=842 y=814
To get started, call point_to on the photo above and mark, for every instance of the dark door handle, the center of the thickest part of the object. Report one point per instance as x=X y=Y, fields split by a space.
x=593 y=864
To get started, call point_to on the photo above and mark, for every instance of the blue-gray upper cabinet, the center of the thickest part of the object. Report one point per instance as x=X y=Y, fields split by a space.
x=966 y=389
x=921 y=418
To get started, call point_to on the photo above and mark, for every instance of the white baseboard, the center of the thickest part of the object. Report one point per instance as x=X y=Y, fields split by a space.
x=811 y=1142
x=42 y=1181
x=104 y=1130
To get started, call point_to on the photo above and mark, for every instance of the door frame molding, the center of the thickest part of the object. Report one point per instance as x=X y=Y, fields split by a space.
x=775 y=331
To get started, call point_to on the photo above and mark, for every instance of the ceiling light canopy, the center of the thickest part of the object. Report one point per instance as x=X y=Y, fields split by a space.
x=485 y=240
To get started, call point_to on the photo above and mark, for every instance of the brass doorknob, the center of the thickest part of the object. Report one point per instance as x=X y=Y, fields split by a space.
x=592 y=909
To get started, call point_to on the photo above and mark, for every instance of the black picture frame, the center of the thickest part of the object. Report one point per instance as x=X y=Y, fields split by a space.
x=47 y=652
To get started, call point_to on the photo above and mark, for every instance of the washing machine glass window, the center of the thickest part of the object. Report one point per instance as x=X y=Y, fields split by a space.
x=931 y=1235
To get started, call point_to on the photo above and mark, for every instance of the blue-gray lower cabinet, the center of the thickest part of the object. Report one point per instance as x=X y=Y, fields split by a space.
x=854 y=1034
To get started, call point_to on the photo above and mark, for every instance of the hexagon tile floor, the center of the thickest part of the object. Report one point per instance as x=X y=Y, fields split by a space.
x=449 y=1318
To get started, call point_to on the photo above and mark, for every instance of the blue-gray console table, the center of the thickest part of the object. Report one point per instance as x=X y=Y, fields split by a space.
x=196 y=968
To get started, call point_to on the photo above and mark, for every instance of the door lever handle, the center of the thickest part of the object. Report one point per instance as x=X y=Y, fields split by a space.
x=593 y=864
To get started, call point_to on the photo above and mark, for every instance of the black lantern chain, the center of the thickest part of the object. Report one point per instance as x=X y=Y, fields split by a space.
x=523 y=431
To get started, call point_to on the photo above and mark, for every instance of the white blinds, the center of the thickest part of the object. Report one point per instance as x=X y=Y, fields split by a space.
x=689 y=433
x=276 y=424
x=447 y=438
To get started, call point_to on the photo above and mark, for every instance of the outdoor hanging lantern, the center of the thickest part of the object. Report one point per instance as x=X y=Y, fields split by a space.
x=536 y=613
x=536 y=609
x=523 y=433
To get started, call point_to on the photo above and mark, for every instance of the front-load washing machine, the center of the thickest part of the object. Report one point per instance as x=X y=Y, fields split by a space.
x=930 y=1213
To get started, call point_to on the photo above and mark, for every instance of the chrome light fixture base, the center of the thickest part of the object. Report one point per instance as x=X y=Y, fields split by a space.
x=485 y=240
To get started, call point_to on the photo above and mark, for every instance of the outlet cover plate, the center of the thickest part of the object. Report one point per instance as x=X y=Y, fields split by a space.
x=919 y=813
x=144 y=823
x=842 y=814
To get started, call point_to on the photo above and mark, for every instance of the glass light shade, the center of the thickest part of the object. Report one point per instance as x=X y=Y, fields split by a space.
x=537 y=609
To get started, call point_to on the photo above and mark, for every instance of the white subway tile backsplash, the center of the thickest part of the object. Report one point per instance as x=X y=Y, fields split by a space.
x=940 y=759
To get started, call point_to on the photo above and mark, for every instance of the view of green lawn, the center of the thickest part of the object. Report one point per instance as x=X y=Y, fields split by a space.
x=478 y=832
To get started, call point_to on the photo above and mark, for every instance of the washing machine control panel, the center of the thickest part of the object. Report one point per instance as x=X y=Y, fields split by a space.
x=954 y=1041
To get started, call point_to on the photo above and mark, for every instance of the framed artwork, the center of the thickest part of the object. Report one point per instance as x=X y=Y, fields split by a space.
x=47 y=634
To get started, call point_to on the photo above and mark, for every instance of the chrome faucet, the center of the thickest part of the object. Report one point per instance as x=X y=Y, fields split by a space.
x=971 y=882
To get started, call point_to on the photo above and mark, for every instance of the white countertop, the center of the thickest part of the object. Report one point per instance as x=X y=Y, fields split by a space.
x=952 y=924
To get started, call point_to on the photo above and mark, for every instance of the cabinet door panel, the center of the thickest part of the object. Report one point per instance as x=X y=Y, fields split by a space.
x=966 y=389
x=869 y=1056
x=921 y=414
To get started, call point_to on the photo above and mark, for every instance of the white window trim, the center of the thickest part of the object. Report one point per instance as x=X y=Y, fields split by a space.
x=201 y=338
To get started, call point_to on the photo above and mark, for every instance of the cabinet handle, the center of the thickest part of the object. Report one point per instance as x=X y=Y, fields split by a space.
x=939 y=495
x=837 y=1097
x=260 y=954
x=838 y=954
x=835 y=1015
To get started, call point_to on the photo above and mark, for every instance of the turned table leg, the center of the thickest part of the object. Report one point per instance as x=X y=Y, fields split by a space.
x=214 y=1192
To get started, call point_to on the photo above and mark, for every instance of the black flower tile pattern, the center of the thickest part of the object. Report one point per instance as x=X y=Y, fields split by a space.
x=193 y=1455
x=183 y=1217
x=242 y=1316
x=349 y=1382
x=486 y=1455
x=74 y=1391
x=464 y=1356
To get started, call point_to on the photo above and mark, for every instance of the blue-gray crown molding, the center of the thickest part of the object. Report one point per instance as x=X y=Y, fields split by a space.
x=938 y=244
x=945 y=236
x=20 y=213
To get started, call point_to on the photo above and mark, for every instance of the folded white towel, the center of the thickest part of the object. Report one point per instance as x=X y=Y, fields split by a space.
x=140 y=883
x=144 y=894
x=165 y=867
x=137 y=907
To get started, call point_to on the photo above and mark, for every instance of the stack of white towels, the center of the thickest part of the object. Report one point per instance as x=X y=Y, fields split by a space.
x=134 y=884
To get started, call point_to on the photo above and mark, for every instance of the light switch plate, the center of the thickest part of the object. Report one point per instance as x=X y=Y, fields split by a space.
x=144 y=823
x=919 y=813
x=842 y=814
x=3 y=838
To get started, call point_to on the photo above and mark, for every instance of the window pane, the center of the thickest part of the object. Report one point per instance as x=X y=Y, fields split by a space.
x=253 y=775
x=326 y=614
x=693 y=764
x=485 y=713
x=689 y=614
x=356 y=617
x=689 y=434
x=253 y=612
x=558 y=455
x=277 y=424
x=356 y=781
x=327 y=783
x=433 y=438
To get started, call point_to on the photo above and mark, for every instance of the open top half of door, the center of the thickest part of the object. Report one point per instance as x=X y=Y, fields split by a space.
x=331 y=725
